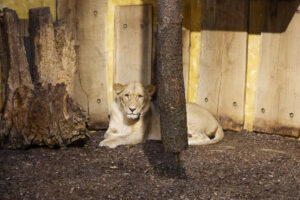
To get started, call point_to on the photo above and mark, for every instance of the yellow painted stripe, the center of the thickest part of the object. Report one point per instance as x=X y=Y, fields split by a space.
x=194 y=66
x=254 y=47
x=110 y=17
x=195 y=23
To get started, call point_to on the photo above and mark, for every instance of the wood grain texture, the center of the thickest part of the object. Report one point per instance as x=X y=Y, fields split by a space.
x=3 y=62
x=43 y=48
x=277 y=108
x=186 y=43
x=91 y=76
x=133 y=44
x=38 y=112
x=222 y=74
x=16 y=82
x=66 y=12
x=54 y=119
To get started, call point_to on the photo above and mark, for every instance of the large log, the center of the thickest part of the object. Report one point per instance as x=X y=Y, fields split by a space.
x=39 y=112
x=17 y=83
x=171 y=96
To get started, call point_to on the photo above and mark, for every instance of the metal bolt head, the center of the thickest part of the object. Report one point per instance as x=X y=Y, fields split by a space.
x=263 y=110
x=124 y=25
x=206 y=99
x=291 y=115
x=98 y=100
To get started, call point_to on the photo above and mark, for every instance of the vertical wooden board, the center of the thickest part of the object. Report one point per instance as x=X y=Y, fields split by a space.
x=186 y=58
x=92 y=74
x=222 y=74
x=133 y=44
x=277 y=108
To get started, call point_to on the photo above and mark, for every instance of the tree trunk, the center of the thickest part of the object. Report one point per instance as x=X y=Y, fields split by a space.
x=171 y=96
x=39 y=112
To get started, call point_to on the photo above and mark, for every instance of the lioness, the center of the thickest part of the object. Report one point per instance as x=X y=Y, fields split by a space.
x=134 y=118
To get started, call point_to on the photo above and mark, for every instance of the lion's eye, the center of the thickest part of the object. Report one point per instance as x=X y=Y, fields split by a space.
x=126 y=95
x=140 y=96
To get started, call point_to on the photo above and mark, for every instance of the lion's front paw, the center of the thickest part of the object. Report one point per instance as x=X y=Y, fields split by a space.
x=107 y=143
x=110 y=132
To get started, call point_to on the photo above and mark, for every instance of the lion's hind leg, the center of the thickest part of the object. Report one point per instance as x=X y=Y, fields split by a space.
x=198 y=139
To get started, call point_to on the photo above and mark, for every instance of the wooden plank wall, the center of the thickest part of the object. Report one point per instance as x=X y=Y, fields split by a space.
x=277 y=107
x=221 y=87
x=223 y=55
x=133 y=44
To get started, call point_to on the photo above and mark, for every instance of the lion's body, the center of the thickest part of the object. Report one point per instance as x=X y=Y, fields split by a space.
x=133 y=128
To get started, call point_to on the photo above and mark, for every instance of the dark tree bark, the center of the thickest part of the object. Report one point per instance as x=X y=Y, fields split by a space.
x=171 y=96
x=39 y=112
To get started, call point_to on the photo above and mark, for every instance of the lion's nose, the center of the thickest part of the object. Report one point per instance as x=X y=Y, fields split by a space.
x=132 y=109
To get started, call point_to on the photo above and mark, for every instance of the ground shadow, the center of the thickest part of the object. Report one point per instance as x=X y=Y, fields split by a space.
x=163 y=163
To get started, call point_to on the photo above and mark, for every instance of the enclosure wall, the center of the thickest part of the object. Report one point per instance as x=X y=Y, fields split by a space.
x=235 y=54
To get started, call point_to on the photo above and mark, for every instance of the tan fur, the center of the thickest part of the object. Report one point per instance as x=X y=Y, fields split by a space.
x=134 y=118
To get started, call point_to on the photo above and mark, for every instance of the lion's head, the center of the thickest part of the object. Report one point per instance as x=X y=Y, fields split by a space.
x=133 y=98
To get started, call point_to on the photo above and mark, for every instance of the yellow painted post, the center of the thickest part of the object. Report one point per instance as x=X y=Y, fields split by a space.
x=195 y=24
x=109 y=32
x=254 y=47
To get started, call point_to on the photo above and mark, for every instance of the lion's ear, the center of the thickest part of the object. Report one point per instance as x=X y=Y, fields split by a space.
x=150 y=89
x=118 y=88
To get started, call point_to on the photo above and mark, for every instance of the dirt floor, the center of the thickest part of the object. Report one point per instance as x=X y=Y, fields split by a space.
x=242 y=166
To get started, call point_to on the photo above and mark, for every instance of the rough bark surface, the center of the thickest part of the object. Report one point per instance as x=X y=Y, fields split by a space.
x=17 y=82
x=38 y=112
x=65 y=47
x=171 y=96
x=48 y=67
x=3 y=60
